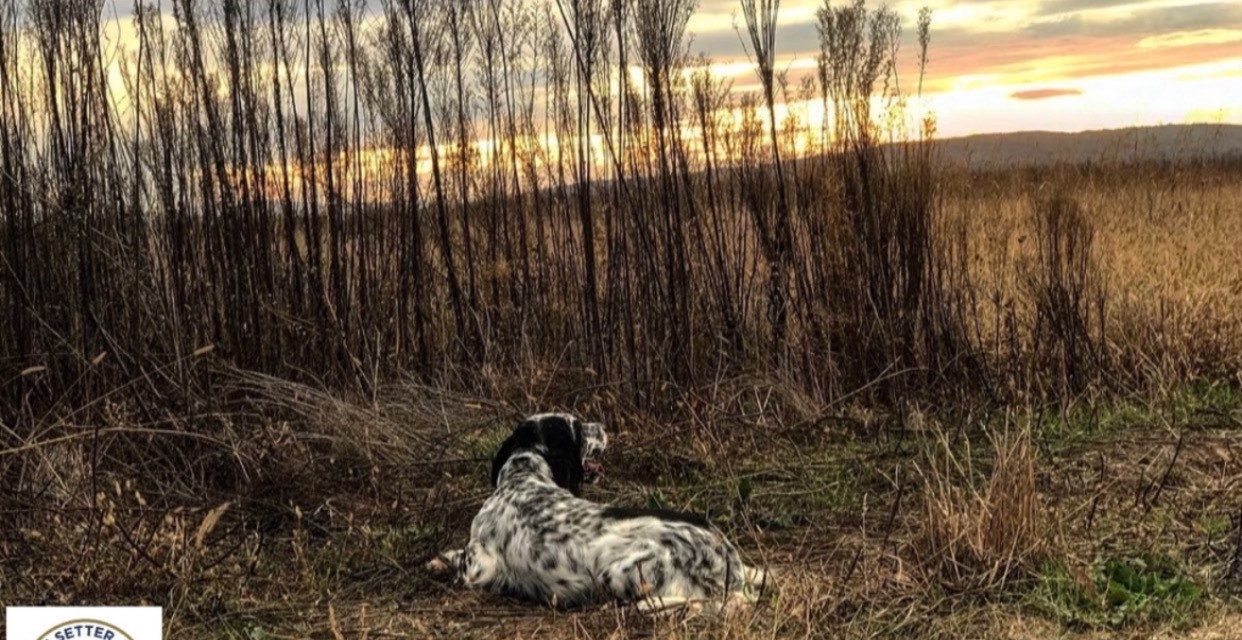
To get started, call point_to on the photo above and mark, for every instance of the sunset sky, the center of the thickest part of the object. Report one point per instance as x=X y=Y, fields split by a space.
x=1063 y=65
x=1015 y=65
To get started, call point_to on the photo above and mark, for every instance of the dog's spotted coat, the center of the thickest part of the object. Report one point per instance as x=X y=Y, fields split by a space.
x=535 y=538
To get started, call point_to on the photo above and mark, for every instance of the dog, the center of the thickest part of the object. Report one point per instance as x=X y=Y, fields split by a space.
x=536 y=539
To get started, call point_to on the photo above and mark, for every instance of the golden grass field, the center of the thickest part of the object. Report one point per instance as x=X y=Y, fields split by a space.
x=1162 y=244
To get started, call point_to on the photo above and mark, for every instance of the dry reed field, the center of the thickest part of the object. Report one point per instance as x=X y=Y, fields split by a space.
x=277 y=278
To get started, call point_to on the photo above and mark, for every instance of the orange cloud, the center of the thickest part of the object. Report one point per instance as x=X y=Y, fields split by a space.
x=1030 y=61
x=1042 y=94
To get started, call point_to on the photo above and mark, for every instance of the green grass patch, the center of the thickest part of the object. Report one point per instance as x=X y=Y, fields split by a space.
x=1083 y=422
x=1214 y=527
x=1203 y=405
x=484 y=443
x=1118 y=593
x=786 y=498
x=823 y=485
x=1208 y=405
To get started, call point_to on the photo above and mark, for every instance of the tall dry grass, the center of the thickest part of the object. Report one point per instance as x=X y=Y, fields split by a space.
x=1135 y=255
x=980 y=529
x=297 y=187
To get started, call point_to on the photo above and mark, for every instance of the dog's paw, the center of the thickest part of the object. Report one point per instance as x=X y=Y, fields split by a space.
x=670 y=604
x=445 y=564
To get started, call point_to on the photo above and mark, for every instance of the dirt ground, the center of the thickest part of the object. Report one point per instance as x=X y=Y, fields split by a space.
x=835 y=516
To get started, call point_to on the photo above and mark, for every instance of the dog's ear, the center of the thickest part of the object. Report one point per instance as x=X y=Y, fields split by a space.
x=562 y=443
x=525 y=436
x=556 y=440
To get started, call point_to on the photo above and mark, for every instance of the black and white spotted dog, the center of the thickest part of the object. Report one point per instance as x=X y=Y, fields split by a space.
x=535 y=538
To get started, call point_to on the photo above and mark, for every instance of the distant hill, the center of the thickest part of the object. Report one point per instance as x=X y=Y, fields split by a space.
x=1026 y=148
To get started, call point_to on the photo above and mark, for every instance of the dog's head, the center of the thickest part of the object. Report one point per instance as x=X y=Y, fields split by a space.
x=571 y=448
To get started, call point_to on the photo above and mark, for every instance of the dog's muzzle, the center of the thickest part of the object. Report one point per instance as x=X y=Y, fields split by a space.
x=592 y=471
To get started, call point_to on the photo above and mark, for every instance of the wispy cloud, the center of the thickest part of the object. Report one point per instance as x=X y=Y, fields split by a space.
x=1048 y=64
x=1022 y=42
x=1043 y=94
x=1052 y=7
x=1191 y=38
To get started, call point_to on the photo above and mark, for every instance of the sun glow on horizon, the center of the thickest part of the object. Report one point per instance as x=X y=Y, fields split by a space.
x=1002 y=66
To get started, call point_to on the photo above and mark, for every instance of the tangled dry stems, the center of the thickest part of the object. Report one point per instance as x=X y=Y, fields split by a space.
x=981 y=528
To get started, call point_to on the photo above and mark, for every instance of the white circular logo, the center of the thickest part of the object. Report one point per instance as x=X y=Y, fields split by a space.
x=84 y=629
